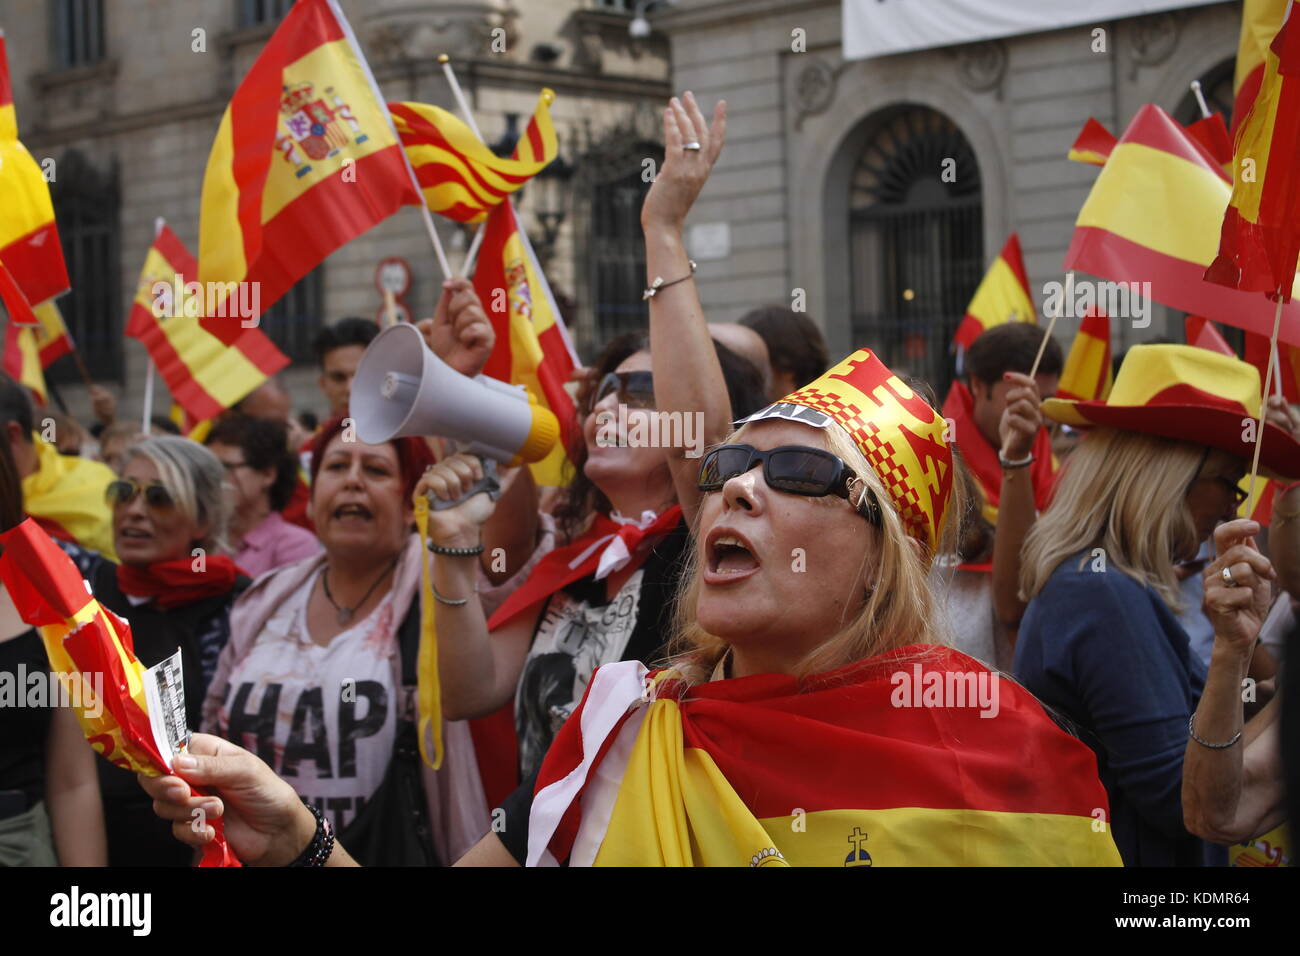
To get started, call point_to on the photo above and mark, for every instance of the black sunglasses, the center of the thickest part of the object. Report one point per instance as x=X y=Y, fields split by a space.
x=796 y=469
x=124 y=490
x=1239 y=495
x=635 y=389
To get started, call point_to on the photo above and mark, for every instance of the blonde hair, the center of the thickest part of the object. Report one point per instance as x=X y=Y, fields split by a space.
x=1123 y=492
x=900 y=610
x=195 y=477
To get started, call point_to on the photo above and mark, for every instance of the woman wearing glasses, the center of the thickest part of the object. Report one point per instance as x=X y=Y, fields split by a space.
x=791 y=726
x=1100 y=642
x=176 y=587
x=263 y=474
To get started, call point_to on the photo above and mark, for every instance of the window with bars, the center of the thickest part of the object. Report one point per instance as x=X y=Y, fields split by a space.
x=293 y=321
x=78 y=29
x=253 y=13
x=86 y=202
x=916 y=242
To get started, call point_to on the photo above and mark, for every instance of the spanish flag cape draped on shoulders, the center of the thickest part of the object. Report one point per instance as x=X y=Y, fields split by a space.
x=854 y=770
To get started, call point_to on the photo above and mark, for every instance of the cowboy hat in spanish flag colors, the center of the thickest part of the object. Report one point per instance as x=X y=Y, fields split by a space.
x=91 y=646
x=900 y=435
x=1190 y=394
x=305 y=160
x=845 y=769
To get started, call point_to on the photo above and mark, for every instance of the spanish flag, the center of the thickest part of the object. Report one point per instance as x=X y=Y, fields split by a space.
x=1153 y=216
x=29 y=239
x=1095 y=143
x=1002 y=296
x=305 y=159
x=65 y=494
x=533 y=347
x=204 y=374
x=1260 y=239
x=53 y=339
x=21 y=360
x=91 y=646
x=1087 y=376
x=1260 y=21
x=917 y=757
x=461 y=178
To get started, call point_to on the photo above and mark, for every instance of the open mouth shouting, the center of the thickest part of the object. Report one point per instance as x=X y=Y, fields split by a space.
x=352 y=512
x=729 y=557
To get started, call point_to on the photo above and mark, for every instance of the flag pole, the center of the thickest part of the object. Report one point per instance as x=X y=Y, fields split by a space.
x=1263 y=405
x=1066 y=293
x=148 y=398
x=463 y=104
x=1200 y=99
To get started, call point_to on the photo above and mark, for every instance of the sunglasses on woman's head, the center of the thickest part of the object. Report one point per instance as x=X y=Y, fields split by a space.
x=124 y=490
x=795 y=469
x=635 y=389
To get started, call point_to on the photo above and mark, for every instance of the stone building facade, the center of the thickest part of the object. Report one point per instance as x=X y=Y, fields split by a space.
x=828 y=189
x=125 y=96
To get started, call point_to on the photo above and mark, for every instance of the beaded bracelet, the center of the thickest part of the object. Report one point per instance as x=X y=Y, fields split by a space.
x=456 y=552
x=1206 y=743
x=322 y=843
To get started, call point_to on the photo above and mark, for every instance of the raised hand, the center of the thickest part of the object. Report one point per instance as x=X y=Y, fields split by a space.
x=684 y=171
x=1237 y=609
x=461 y=526
x=1021 y=419
x=459 y=332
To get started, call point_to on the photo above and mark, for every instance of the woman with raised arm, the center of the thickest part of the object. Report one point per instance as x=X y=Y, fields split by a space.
x=810 y=714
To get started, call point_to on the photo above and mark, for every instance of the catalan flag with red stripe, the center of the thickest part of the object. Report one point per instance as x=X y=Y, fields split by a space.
x=29 y=239
x=1087 y=375
x=1002 y=296
x=305 y=159
x=892 y=761
x=1260 y=239
x=533 y=347
x=89 y=644
x=1153 y=215
x=461 y=178
x=204 y=374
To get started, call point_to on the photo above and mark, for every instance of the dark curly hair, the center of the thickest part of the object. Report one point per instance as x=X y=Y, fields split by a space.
x=265 y=444
x=581 y=498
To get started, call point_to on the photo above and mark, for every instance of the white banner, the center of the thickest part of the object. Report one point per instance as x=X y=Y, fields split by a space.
x=881 y=27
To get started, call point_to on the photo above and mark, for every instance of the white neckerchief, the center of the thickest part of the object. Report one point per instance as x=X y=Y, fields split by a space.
x=616 y=555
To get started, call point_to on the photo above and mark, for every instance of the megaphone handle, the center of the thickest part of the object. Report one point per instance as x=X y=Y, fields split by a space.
x=488 y=483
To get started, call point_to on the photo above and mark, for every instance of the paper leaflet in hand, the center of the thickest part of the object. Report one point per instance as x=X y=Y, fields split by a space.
x=83 y=639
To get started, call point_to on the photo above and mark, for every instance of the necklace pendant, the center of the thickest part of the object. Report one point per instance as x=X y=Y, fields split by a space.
x=344 y=615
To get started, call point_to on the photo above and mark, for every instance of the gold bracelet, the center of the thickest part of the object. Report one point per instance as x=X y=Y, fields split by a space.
x=1285 y=515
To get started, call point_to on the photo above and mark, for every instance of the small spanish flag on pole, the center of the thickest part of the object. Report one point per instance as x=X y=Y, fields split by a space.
x=1003 y=296
x=21 y=360
x=204 y=374
x=1087 y=376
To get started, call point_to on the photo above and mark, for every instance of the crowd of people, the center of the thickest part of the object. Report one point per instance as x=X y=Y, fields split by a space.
x=665 y=659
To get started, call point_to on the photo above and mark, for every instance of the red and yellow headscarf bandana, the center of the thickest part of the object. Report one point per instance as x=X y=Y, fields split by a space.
x=901 y=436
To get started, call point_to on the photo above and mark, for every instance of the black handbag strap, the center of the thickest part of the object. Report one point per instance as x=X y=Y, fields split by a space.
x=408 y=643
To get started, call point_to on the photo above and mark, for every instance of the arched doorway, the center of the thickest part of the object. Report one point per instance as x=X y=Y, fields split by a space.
x=916 y=248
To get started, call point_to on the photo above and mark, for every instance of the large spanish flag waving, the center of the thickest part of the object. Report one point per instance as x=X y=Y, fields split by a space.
x=204 y=374
x=305 y=159
x=461 y=178
x=533 y=347
x=1260 y=239
x=1002 y=296
x=1154 y=215
x=29 y=240
x=878 y=764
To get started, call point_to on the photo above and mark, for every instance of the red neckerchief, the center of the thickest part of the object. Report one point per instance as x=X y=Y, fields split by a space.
x=982 y=458
x=176 y=583
x=582 y=558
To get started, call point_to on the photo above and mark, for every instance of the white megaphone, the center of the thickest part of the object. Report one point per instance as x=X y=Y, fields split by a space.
x=402 y=388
